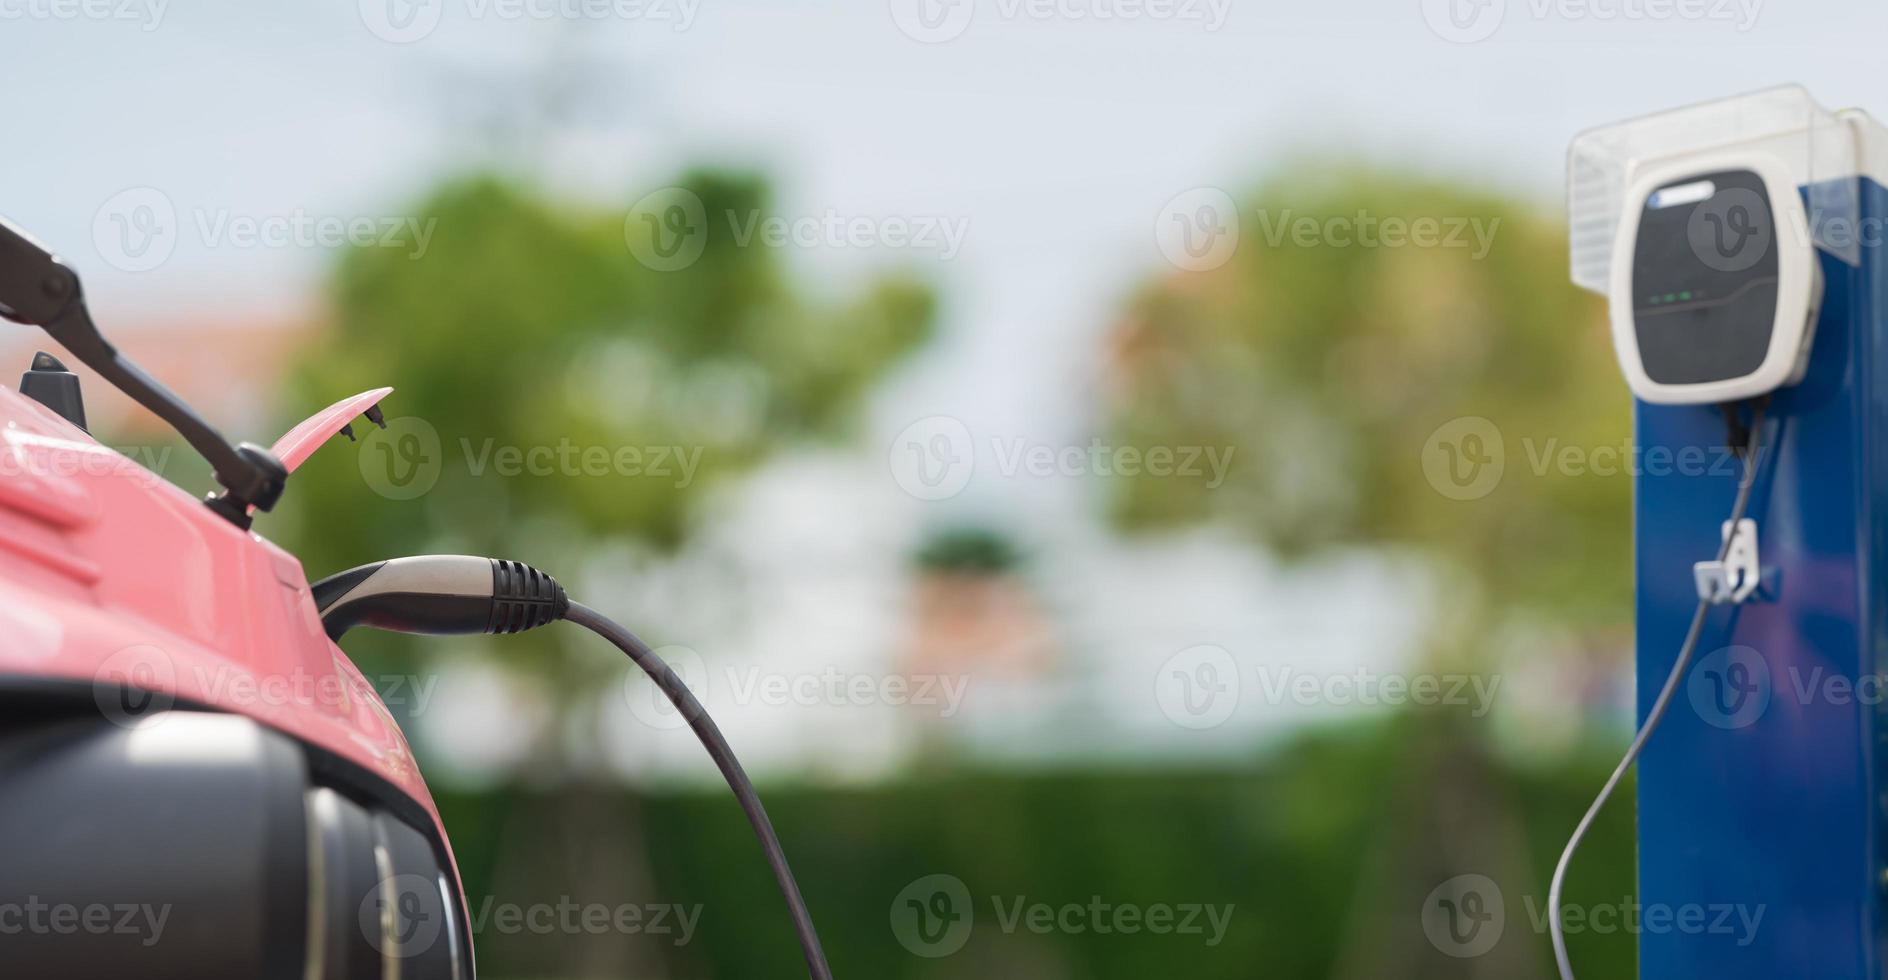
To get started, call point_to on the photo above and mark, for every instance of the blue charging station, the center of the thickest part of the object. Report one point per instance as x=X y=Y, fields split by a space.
x=1761 y=795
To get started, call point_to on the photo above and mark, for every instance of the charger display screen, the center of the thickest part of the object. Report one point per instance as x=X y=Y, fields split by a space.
x=1704 y=278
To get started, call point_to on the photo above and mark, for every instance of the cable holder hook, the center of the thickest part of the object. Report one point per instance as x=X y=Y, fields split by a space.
x=1735 y=579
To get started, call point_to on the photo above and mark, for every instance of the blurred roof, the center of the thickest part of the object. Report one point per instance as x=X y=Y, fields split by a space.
x=224 y=365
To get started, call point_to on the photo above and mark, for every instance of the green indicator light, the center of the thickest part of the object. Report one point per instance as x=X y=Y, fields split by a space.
x=1684 y=295
x=1669 y=297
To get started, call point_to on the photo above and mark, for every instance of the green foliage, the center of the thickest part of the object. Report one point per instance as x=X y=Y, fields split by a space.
x=973 y=550
x=1293 y=842
x=1328 y=365
x=530 y=328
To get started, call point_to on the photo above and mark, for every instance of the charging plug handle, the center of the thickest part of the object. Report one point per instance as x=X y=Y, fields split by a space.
x=439 y=595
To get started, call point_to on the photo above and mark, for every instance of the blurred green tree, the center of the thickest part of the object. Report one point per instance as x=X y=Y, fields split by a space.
x=1401 y=364
x=970 y=550
x=1332 y=366
x=529 y=326
x=564 y=393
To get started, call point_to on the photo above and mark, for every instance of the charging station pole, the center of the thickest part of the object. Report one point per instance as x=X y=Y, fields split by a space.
x=1762 y=797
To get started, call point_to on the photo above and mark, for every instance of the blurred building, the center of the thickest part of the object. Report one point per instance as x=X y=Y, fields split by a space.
x=227 y=366
x=984 y=625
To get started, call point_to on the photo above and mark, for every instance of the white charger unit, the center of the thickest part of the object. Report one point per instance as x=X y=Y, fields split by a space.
x=1715 y=285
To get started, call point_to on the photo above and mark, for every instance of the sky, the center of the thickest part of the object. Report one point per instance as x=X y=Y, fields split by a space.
x=1051 y=136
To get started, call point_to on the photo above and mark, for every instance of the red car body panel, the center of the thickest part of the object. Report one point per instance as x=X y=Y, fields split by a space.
x=313 y=432
x=113 y=577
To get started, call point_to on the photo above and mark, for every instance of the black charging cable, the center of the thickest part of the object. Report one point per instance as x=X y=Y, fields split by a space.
x=458 y=594
x=717 y=746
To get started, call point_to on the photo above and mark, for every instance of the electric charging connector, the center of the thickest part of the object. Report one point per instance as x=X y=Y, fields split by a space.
x=460 y=594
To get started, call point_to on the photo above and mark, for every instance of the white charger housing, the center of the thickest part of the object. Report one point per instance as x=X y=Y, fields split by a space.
x=1715 y=285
